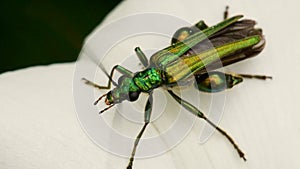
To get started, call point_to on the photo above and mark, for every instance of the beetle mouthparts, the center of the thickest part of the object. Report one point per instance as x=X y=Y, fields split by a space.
x=96 y=102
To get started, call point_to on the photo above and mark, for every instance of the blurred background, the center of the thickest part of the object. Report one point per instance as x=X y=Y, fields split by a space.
x=35 y=32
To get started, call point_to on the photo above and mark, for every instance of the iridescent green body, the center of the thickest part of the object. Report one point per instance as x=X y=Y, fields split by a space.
x=187 y=66
x=196 y=52
x=172 y=67
x=176 y=50
x=180 y=69
x=148 y=79
x=129 y=88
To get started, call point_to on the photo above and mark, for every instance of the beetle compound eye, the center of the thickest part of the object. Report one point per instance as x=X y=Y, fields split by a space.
x=133 y=96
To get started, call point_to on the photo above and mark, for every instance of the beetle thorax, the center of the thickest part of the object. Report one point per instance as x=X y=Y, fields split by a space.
x=148 y=79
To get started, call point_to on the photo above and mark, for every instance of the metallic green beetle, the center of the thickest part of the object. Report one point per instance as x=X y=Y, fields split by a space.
x=195 y=53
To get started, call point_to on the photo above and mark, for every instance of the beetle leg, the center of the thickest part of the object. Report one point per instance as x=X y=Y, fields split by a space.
x=119 y=68
x=225 y=15
x=216 y=81
x=148 y=110
x=185 y=32
x=199 y=114
x=90 y=83
x=141 y=56
x=249 y=76
x=201 y=25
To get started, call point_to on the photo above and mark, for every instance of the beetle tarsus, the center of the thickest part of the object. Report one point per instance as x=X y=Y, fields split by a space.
x=230 y=139
x=226 y=12
x=260 y=77
x=130 y=164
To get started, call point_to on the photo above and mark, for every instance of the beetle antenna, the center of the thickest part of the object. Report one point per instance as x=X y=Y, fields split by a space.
x=96 y=102
x=106 y=109
x=93 y=57
x=105 y=72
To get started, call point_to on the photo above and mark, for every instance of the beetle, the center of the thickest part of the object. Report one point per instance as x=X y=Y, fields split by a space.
x=195 y=53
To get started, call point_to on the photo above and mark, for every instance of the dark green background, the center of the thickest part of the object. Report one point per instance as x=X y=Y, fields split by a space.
x=47 y=31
